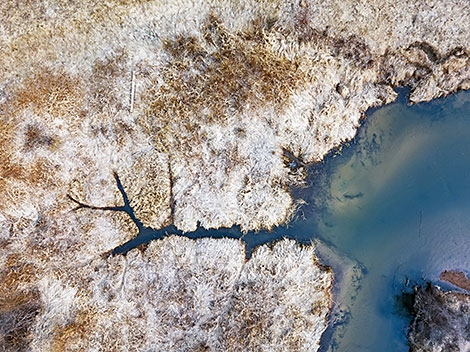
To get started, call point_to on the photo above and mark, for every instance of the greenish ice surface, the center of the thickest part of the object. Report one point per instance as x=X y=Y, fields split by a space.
x=395 y=203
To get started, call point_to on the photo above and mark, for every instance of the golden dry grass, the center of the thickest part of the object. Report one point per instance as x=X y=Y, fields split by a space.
x=104 y=74
x=76 y=330
x=49 y=95
x=8 y=168
x=19 y=303
x=17 y=314
x=35 y=137
x=50 y=92
x=208 y=80
x=38 y=172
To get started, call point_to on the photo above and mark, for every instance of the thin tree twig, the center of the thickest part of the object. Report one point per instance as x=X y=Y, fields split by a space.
x=132 y=91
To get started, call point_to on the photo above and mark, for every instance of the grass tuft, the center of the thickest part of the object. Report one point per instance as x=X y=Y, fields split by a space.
x=36 y=138
x=53 y=93
x=209 y=79
x=19 y=304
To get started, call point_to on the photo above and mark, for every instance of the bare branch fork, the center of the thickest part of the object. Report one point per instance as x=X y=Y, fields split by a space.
x=81 y=205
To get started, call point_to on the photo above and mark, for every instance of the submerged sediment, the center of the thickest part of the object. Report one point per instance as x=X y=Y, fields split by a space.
x=208 y=111
x=456 y=278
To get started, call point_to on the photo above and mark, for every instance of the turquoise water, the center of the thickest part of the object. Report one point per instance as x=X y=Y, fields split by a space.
x=397 y=201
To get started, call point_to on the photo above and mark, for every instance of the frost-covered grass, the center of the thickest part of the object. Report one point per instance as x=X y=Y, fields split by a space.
x=182 y=294
x=219 y=90
x=217 y=86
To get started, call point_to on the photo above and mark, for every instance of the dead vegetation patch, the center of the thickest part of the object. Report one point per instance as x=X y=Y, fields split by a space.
x=351 y=47
x=19 y=303
x=9 y=169
x=54 y=93
x=103 y=88
x=73 y=332
x=209 y=79
x=14 y=175
x=48 y=95
x=17 y=314
x=35 y=138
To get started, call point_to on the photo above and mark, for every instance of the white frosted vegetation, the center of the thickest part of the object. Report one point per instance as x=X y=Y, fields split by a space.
x=219 y=86
x=221 y=90
x=177 y=296
x=279 y=302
